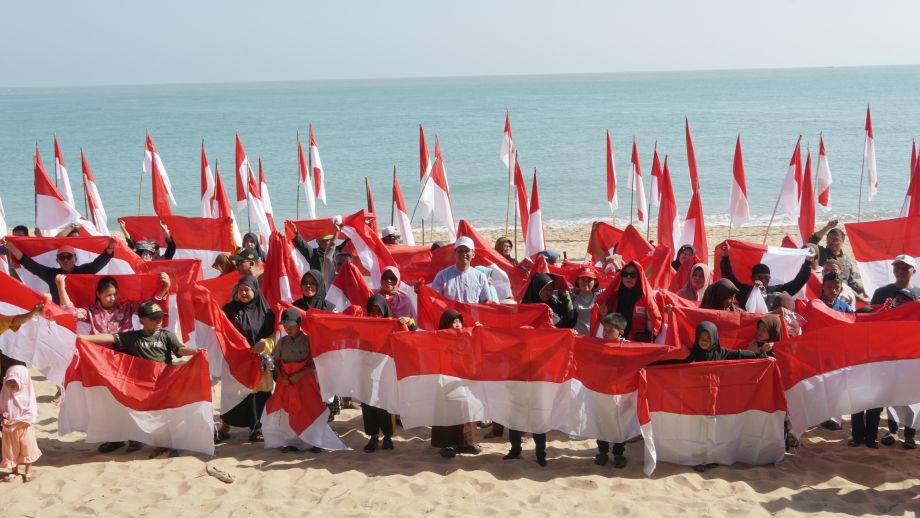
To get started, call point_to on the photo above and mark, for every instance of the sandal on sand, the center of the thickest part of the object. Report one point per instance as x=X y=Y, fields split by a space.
x=219 y=474
x=28 y=477
x=9 y=477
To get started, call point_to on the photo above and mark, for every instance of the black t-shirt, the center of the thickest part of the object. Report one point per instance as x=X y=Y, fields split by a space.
x=161 y=346
x=888 y=292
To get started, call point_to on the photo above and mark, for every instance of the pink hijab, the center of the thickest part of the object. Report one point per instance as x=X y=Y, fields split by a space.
x=19 y=405
x=688 y=291
x=400 y=303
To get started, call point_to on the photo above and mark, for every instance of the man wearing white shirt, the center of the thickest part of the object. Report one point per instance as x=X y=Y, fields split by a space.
x=462 y=282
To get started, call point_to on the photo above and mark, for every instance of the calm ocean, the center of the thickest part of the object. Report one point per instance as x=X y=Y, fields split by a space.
x=364 y=128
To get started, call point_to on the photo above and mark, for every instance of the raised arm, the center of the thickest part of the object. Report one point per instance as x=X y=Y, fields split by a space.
x=102 y=339
x=164 y=278
x=170 y=244
x=726 y=267
x=792 y=287
x=100 y=261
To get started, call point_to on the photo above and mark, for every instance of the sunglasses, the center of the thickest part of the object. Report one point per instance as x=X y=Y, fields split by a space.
x=629 y=275
x=65 y=257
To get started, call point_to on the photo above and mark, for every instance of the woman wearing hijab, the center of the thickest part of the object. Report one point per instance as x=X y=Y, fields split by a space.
x=460 y=438
x=398 y=300
x=250 y=240
x=720 y=295
x=683 y=253
x=223 y=264
x=314 y=292
x=768 y=332
x=630 y=295
x=783 y=305
x=586 y=293
x=700 y=279
x=504 y=246
x=542 y=289
x=377 y=420
x=251 y=316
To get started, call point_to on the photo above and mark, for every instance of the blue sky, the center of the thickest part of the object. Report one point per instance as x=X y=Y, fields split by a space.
x=57 y=42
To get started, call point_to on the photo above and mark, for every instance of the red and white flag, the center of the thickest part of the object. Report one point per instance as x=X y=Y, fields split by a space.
x=52 y=212
x=507 y=151
x=281 y=277
x=637 y=187
x=876 y=244
x=911 y=206
x=256 y=208
x=208 y=193
x=303 y=174
x=443 y=208
x=348 y=288
x=113 y=396
x=370 y=250
x=60 y=173
x=869 y=156
x=824 y=178
x=162 y=189
x=846 y=369
x=426 y=188
x=202 y=239
x=136 y=287
x=370 y=197
x=401 y=216
x=319 y=174
x=668 y=221
x=736 y=328
x=611 y=177
x=691 y=157
x=654 y=187
x=93 y=200
x=784 y=263
x=266 y=199
x=534 y=241
x=712 y=412
x=790 y=194
x=242 y=175
x=694 y=232
x=807 y=204
x=431 y=305
x=223 y=207
x=522 y=205
x=737 y=198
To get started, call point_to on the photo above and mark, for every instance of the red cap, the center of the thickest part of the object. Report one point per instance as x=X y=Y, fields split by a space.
x=66 y=249
x=589 y=273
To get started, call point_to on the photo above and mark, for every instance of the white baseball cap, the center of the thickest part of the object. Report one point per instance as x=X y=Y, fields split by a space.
x=906 y=259
x=464 y=241
x=388 y=231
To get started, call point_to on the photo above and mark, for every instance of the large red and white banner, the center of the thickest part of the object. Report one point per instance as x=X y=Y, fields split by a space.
x=431 y=305
x=93 y=200
x=876 y=244
x=611 y=177
x=202 y=239
x=784 y=263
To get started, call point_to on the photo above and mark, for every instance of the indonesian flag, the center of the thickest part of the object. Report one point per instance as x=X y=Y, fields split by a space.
x=443 y=208
x=636 y=185
x=846 y=369
x=281 y=277
x=791 y=191
x=668 y=222
x=46 y=342
x=208 y=194
x=181 y=302
x=737 y=198
x=431 y=305
x=807 y=212
x=694 y=232
x=43 y=250
x=257 y=209
x=224 y=209
x=370 y=197
x=296 y=415
x=113 y=396
x=162 y=189
x=533 y=241
x=520 y=189
x=784 y=263
x=911 y=206
x=348 y=288
x=81 y=288
x=303 y=175
x=602 y=241
x=60 y=173
x=691 y=157
x=611 y=177
x=736 y=328
x=266 y=200
x=819 y=315
x=824 y=178
x=93 y=200
x=654 y=190
x=401 y=216
x=202 y=239
x=426 y=189
x=876 y=244
x=319 y=175
x=713 y=412
x=354 y=357
x=869 y=156
x=52 y=212
x=370 y=250
x=242 y=175
x=507 y=152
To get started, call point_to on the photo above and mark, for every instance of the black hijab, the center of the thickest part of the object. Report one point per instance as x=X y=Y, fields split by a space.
x=716 y=293
x=377 y=300
x=715 y=351
x=317 y=301
x=676 y=262
x=253 y=319
x=448 y=317
x=258 y=247
x=627 y=297
x=537 y=283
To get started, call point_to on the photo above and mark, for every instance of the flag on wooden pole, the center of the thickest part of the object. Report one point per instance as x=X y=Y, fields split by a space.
x=737 y=198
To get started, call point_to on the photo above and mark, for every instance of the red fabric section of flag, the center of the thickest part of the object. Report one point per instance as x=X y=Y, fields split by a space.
x=742 y=256
x=81 y=288
x=882 y=240
x=33 y=246
x=611 y=172
x=188 y=233
x=20 y=295
x=279 y=263
x=603 y=237
x=736 y=328
x=333 y=332
x=818 y=315
x=807 y=206
x=350 y=281
x=245 y=366
x=520 y=190
x=431 y=305
x=301 y=400
x=667 y=211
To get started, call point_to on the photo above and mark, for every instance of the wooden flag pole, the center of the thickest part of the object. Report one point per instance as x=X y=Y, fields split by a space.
x=515 y=248
x=862 y=171
x=299 y=148
x=423 y=231
x=632 y=188
x=648 y=221
x=85 y=194
x=393 y=204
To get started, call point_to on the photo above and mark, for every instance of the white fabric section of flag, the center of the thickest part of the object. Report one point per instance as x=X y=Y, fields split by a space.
x=905 y=415
x=824 y=179
x=318 y=167
x=443 y=211
x=426 y=196
x=232 y=392
x=40 y=342
x=500 y=281
x=506 y=152
x=784 y=263
x=365 y=254
x=277 y=432
x=869 y=154
x=789 y=194
x=115 y=266
x=638 y=188
x=147 y=167
x=100 y=218
x=337 y=298
x=60 y=172
x=876 y=274
x=403 y=225
x=367 y=376
x=755 y=303
x=266 y=199
x=208 y=200
x=310 y=197
x=738 y=205
x=534 y=241
x=751 y=437
x=687 y=234
x=4 y=230
x=52 y=214
x=95 y=411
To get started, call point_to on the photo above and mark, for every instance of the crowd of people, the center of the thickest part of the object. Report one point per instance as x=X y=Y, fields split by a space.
x=613 y=301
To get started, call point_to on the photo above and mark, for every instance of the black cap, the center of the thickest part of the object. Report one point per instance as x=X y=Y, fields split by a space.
x=290 y=317
x=246 y=254
x=150 y=309
x=146 y=246
x=907 y=293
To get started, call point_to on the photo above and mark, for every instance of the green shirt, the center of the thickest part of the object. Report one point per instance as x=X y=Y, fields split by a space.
x=161 y=346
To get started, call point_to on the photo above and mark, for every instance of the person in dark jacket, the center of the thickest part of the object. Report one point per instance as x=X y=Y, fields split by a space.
x=706 y=347
x=314 y=293
x=542 y=289
x=760 y=274
x=67 y=263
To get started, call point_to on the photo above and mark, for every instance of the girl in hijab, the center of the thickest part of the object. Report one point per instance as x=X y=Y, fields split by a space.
x=251 y=316
x=700 y=279
x=377 y=420
x=630 y=295
x=399 y=301
x=19 y=408
x=683 y=253
x=223 y=264
x=782 y=304
x=250 y=240
x=720 y=295
x=768 y=333
x=314 y=292
x=504 y=246
x=706 y=347
x=584 y=299
x=542 y=289
x=459 y=438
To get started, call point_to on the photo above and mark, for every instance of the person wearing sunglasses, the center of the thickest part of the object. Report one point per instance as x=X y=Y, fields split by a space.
x=67 y=263
x=630 y=294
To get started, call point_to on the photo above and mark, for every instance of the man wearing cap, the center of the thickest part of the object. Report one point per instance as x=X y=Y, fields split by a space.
x=247 y=263
x=67 y=263
x=760 y=274
x=151 y=342
x=149 y=250
x=834 y=250
x=903 y=267
x=390 y=236
x=462 y=282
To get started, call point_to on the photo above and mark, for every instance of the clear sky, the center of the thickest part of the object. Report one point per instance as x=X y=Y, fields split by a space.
x=57 y=42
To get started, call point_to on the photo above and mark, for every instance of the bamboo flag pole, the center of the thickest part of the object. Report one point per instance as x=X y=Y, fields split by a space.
x=648 y=215
x=862 y=171
x=299 y=149
x=515 y=248
x=85 y=202
x=776 y=205
x=510 y=176
x=632 y=189
x=393 y=204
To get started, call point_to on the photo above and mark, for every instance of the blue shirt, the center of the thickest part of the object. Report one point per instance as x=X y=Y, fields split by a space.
x=838 y=305
x=470 y=285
